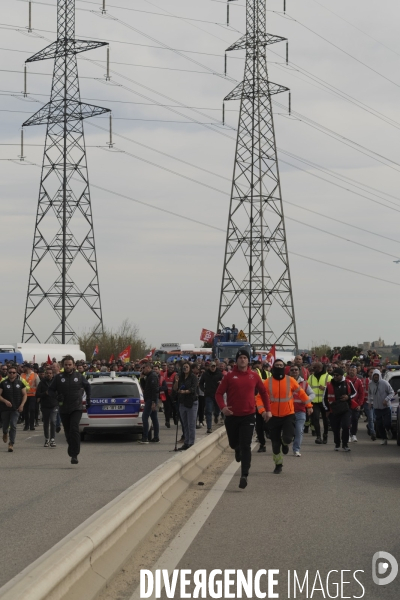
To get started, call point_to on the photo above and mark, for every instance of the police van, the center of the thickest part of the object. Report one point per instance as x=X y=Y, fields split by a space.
x=116 y=406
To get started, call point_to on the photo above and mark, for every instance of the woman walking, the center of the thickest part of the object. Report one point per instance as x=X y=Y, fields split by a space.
x=186 y=386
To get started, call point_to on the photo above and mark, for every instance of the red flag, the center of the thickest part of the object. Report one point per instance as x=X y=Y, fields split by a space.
x=49 y=361
x=271 y=356
x=207 y=336
x=111 y=359
x=150 y=354
x=125 y=355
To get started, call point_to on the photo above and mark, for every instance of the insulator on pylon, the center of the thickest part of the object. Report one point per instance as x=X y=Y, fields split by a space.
x=227 y=14
x=30 y=17
x=110 y=142
x=223 y=113
x=103 y=10
x=108 y=65
x=287 y=53
x=284 y=6
x=225 y=64
x=21 y=156
x=290 y=103
x=25 y=82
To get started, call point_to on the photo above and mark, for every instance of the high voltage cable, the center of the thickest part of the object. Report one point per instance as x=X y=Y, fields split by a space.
x=356 y=27
x=223 y=230
x=340 y=49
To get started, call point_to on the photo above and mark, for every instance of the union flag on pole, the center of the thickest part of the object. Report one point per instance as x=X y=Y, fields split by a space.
x=207 y=336
x=49 y=361
x=95 y=351
x=125 y=355
x=271 y=356
x=111 y=359
x=150 y=354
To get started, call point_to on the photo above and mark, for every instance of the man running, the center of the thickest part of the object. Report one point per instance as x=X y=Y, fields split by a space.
x=240 y=386
x=280 y=389
x=12 y=400
x=69 y=386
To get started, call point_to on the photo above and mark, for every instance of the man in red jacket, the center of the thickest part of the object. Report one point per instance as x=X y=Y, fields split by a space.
x=240 y=386
x=356 y=402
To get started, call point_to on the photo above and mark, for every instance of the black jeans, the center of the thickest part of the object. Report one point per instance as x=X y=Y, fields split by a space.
x=355 y=415
x=49 y=419
x=383 y=418
x=29 y=412
x=341 y=422
x=260 y=428
x=71 y=428
x=169 y=409
x=318 y=410
x=281 y=430
x=202 y=405
x=240 y=433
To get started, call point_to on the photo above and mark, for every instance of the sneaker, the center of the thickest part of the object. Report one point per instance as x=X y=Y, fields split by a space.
x=297 y=453
x=167 y=424
x=201 y=424
x=346 y=449
x=198 y=426
x=184 y=447
x=337 y=448
x=143 y=441
x=181 y=440
x=350 y=438
x=216 y=419
x=46 y=443
x=354 y=438
x=318 y=440
x=58 y=429
x=243 y=482
x=53 y=444
x=285 y=449
x=25 y=429
x=306 y=428
x=389 y=434
x=325 y=438
x=36 y=423
x=238 y=455
x=5 y=438
x=155 y=440
x=74 y=460
x=262 y=449
x=11 y=447
x=384 y=443
x=209 y=430
x=278 y=470
x=313 y=433
x=32 y=429
x=373 y=437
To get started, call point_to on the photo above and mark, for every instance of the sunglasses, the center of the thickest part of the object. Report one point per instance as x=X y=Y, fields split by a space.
x=12 y=372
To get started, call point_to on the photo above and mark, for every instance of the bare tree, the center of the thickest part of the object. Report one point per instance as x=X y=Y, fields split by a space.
x=113 y=341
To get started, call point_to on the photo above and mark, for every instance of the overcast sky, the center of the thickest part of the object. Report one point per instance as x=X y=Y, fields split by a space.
x=163 y=272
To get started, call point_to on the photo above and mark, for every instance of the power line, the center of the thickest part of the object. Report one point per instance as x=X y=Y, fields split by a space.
x=179 y=215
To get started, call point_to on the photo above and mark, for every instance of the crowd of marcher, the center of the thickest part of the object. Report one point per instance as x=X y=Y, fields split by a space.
x=281 y=402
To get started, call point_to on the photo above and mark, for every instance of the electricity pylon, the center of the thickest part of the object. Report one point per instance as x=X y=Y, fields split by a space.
x=256 y=291
x=63 y=271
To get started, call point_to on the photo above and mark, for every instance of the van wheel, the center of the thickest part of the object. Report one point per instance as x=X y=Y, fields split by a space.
x=82 y=435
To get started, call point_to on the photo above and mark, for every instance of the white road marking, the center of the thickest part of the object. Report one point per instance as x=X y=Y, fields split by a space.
x=183 y=540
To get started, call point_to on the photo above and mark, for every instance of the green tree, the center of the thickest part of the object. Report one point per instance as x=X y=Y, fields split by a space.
x=113 y=341
x=347 y=352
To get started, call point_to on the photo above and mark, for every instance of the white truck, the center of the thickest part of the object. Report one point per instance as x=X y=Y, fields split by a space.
x=39 y=353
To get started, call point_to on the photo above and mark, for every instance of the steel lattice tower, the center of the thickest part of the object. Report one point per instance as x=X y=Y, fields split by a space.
x=63 y=269
x=256 y=292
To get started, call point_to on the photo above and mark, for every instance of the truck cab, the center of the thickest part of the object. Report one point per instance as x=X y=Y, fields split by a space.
x=226 y=344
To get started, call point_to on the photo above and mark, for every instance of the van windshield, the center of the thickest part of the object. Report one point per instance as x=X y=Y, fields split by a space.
x=118 y=389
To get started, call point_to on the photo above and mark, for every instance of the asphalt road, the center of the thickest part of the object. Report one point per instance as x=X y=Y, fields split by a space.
x=43 y=497
x=327 y=511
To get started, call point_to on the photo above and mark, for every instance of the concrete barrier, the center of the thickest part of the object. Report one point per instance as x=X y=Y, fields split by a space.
x=81 y=564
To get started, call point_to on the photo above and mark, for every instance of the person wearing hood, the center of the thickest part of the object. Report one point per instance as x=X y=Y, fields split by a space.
x=380 y=394
x=337 y=399
x=240 y=386
x=300 y=409
x=281 y=388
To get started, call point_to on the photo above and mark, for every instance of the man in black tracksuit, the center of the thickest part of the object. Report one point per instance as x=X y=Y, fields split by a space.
x=69 y=386
x=208 y=384
x=151 y=387
x=49 y=406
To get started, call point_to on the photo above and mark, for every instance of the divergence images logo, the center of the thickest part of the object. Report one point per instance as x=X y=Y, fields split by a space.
x=380 y=565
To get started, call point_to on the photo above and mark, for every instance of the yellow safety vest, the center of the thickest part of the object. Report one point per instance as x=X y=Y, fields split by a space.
x=314 y=384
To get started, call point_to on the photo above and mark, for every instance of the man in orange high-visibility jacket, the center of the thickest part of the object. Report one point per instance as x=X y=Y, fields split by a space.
x=280 y=388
